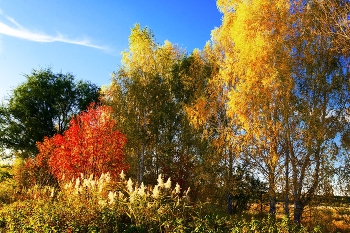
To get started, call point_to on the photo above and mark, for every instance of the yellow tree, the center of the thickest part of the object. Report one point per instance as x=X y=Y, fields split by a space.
x=147 y=94
x=255 y=67
x=322 y=96
x=333 y=18
x=139 y=93
x=216 y=169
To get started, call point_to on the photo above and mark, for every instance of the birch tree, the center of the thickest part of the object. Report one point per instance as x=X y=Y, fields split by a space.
x=255 y=65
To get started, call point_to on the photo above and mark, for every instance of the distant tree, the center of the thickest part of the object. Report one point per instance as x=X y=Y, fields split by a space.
x=245 y=189
x=42 y=106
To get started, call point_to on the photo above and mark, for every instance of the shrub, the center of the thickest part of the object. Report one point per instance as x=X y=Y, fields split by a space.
x=91 y=145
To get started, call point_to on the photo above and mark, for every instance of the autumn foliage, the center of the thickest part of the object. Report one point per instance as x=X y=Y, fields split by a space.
x=91 y=145
x=254 y=119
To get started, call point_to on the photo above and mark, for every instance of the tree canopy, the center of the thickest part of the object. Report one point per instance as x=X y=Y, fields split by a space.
x=42 y=106
x=288 y=88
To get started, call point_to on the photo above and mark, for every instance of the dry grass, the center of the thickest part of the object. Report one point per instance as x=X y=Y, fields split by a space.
x=331 y=219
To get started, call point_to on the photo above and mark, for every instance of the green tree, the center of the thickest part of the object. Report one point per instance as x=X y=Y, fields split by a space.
x=141 y=98
x=205 y=99
x=42 y=106
x=245 y=188
x=148 y=95
x=201 y=104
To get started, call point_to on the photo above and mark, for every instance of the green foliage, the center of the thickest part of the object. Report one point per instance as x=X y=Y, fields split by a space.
x=94 y=205
x=5 y=172
x=42 y=106
x=7 y=184
x=244 y=189
x=147 y=97
x=270 y=225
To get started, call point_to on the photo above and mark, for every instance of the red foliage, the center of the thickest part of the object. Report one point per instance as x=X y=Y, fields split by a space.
x=37 y=170
x=91 y=145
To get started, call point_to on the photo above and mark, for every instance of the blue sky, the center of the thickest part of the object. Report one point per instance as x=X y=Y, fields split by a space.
x=86 y=37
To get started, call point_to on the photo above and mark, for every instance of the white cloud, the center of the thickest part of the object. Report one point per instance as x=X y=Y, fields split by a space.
x=18 y=31
x=1 y=45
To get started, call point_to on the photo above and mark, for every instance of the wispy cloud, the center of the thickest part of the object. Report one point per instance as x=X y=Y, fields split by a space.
x=14 y=29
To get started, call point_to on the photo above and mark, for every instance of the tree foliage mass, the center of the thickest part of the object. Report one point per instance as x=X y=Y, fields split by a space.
x=42 y=106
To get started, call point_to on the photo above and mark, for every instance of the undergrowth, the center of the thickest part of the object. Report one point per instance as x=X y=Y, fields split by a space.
x=105 y=205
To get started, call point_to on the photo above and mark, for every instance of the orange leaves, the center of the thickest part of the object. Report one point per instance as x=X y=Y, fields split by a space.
x=253 y=38
x=197 y=113
x=91 y=145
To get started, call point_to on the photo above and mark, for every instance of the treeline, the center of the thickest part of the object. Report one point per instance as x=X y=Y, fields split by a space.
x=263 y=107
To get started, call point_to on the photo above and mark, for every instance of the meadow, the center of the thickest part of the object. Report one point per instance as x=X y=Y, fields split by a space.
x=103 y=204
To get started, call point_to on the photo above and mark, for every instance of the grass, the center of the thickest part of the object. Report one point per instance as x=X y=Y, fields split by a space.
x=332 y=219
x=90 y=204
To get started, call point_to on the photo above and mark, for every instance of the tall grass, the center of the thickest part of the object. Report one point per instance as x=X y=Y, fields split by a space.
x=100 y=204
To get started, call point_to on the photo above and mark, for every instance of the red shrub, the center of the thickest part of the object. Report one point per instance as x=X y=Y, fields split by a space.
x=91 y=145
